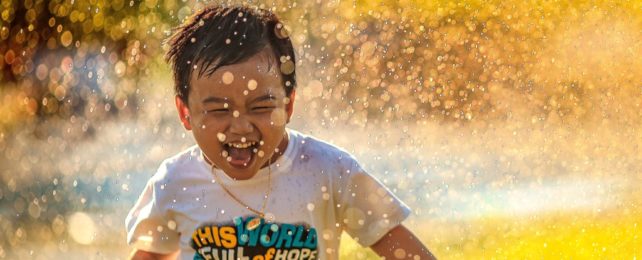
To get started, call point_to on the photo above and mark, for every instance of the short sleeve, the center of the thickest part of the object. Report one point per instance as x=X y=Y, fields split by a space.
x=148 y=228
x=366 y=208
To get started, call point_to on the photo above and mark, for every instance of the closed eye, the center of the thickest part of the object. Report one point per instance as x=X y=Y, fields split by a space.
x=263 y=108
x=222 y=110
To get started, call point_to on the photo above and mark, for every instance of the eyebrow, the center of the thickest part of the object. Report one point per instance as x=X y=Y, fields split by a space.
x=214 y=100
x=264 y=98
x=224 y=100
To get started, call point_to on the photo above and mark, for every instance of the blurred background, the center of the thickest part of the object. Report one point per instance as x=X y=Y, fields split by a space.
x=512 y=128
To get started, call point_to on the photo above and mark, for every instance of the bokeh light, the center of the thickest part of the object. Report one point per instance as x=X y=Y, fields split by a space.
x=512 y=128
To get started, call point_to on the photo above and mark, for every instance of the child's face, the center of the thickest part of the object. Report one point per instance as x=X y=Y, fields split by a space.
x=238 y=115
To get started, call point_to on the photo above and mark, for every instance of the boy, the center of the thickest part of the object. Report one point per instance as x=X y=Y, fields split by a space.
x=250 y=188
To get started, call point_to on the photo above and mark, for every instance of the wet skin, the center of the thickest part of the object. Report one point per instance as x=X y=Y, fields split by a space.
x=239 y=104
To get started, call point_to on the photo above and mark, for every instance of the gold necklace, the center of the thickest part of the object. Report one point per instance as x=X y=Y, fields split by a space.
x=255 y=222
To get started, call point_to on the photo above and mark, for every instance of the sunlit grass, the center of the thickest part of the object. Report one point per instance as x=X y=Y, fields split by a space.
x=616 y=234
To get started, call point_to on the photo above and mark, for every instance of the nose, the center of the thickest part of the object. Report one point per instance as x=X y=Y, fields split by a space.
x=241 y=125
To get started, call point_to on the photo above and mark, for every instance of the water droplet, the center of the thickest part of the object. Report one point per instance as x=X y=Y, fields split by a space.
x=252 y=84
x=66 y=38
x=261 y=153
x=171 y=224
x=400 y=253
x=81 y=228
x=221 y=137
x=243 y=139
x=280 y=31
x=228 y=78
x=236 y=113
x=310 y=206
x=287 y=67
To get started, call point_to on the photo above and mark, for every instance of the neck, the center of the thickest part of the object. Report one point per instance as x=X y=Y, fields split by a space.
x=282 y=147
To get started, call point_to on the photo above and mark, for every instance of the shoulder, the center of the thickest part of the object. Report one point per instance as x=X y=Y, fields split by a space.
x=312 y=149
x=184 y=162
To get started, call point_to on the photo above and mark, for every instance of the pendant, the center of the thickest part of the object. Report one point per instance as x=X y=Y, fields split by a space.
x=253 y=224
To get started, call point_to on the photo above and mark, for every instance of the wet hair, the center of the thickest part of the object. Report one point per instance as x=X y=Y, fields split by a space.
x=217 y=36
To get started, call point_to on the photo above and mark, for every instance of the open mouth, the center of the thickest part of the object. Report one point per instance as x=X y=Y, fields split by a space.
x=240 y=154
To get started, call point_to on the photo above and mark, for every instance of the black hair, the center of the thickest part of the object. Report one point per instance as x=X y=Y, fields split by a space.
x=218 y=36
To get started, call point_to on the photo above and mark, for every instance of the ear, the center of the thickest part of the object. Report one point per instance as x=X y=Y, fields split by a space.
x=183 y=112
x=289 y=107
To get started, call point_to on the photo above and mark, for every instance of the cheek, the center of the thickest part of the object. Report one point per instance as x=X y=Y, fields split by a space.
x=278 y=117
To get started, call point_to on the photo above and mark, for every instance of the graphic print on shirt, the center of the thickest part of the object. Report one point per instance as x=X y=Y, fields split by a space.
x=263 y=242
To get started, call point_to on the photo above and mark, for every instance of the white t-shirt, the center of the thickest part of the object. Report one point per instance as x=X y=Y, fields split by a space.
x=317 y=191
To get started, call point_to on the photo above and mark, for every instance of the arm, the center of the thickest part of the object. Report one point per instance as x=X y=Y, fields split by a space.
x=401 y=238
x=138 y=254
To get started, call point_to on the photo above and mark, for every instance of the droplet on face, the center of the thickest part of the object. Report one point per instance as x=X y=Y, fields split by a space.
x=243 y=139
x=229 y=158
x=224 y=154
x=228 y=41
x=261 y=142
x=310 y=206
x=287 y=67
x=261 y=153
x=193 y=40
x=228 y=78
x=252 y=84
x=225 y=105
x=236 y=113
x=221 y=137
x=245 y=92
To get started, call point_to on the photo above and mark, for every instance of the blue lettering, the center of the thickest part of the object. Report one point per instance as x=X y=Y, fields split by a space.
x=285 y=235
